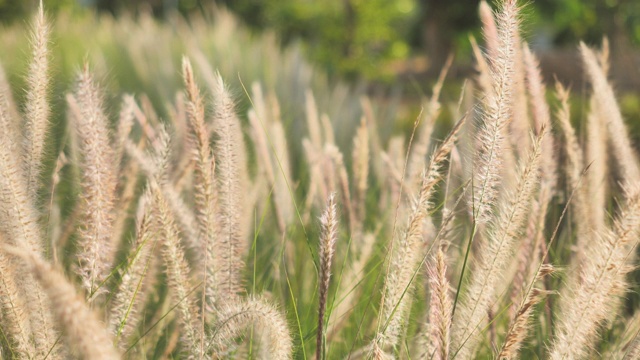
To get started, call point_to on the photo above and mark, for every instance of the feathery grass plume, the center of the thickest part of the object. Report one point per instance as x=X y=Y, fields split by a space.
x=98 y=185
x=313 y=122
x=420 y=148
x=280 y=158
x=329 y=235
x=534 y=238
x=574 y=169
x=126 y=194
x=607 y=105
x=375 y=352
x=236 y=316
x=258 y=101
x=407 y=252
x=360 y=158
x=590 y=301
x=482 y=66
x=178 y=115
x=603 y=56
x=572 y=148
x=374 y=138
x=327 y=129
x=361 y=245
x=596 y=154
x=520 y=124
x=184 y=215
x=317 y=186
x=229 y=150
x=330 y=159
x=177 y=269
x=14 y=321
x=339 y=170
x=261 y=143
x=83 y=331
x=540 y=109
x=350 y=284
x=495 y=254
x=393 y=161
x=10 y=104
x=205 y=192
x=528 y=253
x=20 y=220
x=625 y=344
x=37 y=106
x=54 y=227
x=124 y=313
x=267 y=132
x=440 y=307
x=496 y=116
x=489 y=28
x=125 y=124
x=20 y=227
x=313 y=147
x=520 y=324
x=633 y=352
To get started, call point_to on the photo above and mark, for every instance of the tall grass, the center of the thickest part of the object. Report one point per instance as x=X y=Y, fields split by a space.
x=247 y=217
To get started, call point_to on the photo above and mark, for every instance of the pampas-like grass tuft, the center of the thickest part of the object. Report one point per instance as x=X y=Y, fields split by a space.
x=126 y=306
x=205 y=191
x=601 y=282
x=84 y=333
x=496 y=116
x=37 y=106
x=176 y=280
x=494 y=255
x=520 y=325
x=329 y=222
x=230 y=161
x=236 y=317
x=177 y=269
x=440 y=308
x=406 y=252
x=99 y=187
x=20 y=226
x=15 y=323
x=606 y=103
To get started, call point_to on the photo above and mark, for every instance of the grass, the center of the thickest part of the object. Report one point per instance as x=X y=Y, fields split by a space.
x=240 y=206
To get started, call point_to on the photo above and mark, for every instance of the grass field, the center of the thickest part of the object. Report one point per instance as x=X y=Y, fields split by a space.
x=189 y=190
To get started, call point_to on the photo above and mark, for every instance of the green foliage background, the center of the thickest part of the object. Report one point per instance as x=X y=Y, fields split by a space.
x=365 y=38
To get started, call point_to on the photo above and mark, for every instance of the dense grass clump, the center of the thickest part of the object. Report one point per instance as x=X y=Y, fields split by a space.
x=197 y=234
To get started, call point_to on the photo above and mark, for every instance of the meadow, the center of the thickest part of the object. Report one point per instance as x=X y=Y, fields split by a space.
x=187 y=189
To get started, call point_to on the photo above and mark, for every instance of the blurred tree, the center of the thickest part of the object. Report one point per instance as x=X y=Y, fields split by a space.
x=346 y=36
x=438 y=24
x=11 y=10
x=361 y=37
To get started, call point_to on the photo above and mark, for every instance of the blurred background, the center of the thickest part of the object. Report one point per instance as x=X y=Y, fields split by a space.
x=382 y=40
